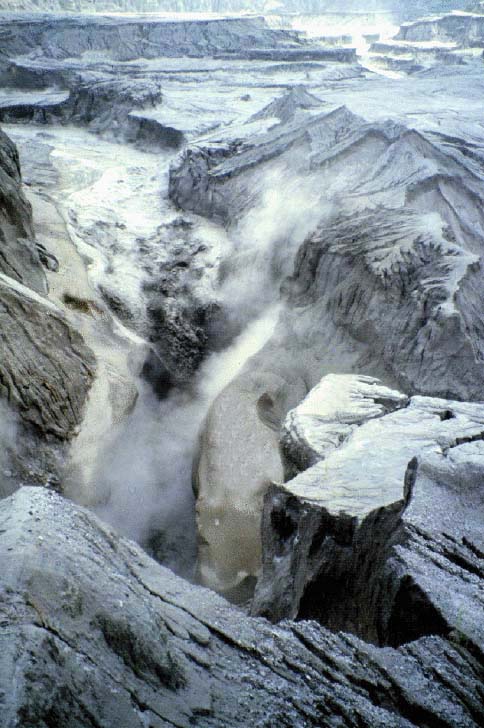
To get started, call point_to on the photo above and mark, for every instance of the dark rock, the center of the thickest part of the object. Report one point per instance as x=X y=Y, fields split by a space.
x=95 y=633
x=19 y=256
x=45 y=368
x=156 y=373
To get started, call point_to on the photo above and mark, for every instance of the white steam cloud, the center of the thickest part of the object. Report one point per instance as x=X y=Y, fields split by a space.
x=148 y=469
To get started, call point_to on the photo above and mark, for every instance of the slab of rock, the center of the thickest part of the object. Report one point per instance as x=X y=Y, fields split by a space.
x=381 y=537
x=95 y=633
x=329 y=414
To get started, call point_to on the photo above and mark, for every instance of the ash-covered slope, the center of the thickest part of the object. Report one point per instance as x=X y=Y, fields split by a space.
x=396 y=256
x=93 y=633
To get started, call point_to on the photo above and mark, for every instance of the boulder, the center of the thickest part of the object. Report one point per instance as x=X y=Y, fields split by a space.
x=380 y=537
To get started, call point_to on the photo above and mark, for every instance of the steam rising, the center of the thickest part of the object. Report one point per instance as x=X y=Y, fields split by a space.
x=148 y=470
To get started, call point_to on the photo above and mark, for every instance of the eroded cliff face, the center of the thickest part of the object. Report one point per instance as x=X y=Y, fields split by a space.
x=125 y=38
x=466 y=29
x=46 y=370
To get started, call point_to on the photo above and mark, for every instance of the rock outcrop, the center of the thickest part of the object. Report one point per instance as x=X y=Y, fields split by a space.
x=95 y=633
x=19 y=255
x=285 y=107
x=113 y=106
x=381 y=535
x=128 y=38
x=465 y=29
x=46 y=369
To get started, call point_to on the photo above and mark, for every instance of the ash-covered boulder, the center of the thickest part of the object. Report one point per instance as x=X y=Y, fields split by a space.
x=94 y=632
x=329 y=414
x=381 y=537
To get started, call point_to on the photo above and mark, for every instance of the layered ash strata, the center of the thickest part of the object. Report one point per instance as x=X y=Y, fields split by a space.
x=380 y=536
x=94 y=632
x=46 y=92
x=446 y=40
x=412 y=9
x=464 y=29
x=58 y=69
x=412 y=58
x=125 y=39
